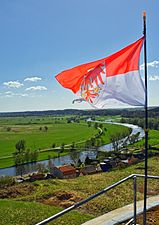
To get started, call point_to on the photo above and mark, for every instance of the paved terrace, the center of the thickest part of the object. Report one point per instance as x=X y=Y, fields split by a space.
x=122 y=214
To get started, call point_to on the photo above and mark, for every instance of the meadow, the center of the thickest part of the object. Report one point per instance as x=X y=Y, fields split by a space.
x=153 y=139
x=33 y=131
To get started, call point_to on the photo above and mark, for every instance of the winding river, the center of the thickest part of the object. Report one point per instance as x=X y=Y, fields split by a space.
x=32 y=167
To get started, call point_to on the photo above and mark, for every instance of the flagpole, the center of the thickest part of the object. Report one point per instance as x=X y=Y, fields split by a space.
x=146 y=120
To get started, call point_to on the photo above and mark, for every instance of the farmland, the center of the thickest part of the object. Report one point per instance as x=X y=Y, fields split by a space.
x=37 y=137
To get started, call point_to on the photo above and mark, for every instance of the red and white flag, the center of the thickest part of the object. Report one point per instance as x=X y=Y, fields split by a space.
x=115 y=77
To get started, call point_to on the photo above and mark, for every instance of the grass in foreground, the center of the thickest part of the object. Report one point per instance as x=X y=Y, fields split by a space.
x=29 y=213
x=48 y=192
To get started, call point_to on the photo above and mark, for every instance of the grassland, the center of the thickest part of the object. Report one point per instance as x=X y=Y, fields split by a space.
x=29 y=213
x=153 y=139
x=36 y=139
x=47 y=192
x=31 y=129
x=32 y=120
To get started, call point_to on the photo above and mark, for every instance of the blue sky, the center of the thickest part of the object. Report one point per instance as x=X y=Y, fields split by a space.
x=40 y=38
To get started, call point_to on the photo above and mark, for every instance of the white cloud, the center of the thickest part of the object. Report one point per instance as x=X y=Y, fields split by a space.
x=36 y=88
x=154 y=78
x=33 y=79
x=9 y=93
x=153 y=64
x=22 y=95
x=13 y=84
x=12 y=94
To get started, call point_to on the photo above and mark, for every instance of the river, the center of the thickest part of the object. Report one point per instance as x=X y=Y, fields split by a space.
x=67 y=159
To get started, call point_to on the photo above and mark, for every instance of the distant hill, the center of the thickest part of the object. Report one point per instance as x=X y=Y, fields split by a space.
x=139 y=112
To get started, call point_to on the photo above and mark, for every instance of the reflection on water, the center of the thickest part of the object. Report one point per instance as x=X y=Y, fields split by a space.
x=32 y=167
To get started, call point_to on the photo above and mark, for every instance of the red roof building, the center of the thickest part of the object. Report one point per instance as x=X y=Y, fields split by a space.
x=65 y=171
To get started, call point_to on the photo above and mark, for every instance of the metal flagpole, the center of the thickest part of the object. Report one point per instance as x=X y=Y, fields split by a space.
x=146 y=120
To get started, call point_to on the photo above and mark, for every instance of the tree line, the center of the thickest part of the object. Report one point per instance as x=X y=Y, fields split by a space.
x=153 y=123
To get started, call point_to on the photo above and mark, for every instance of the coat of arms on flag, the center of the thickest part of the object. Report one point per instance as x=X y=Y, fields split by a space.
x=92 y=83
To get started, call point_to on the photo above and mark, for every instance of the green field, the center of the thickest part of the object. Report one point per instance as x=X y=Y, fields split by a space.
x=153 y=139
x=59 y=131
x=23 y=207
x=32 y=120
x=36 y=139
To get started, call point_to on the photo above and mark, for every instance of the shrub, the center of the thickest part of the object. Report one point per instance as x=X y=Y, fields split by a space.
x=6 y=181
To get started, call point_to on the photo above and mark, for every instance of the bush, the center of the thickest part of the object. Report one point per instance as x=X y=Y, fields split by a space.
x=8 y=129
x=6 y=181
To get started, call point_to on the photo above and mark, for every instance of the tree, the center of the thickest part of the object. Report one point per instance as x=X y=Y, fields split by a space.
x=89 y=124
x=58 y=152
x=75 y=156
x=27 y=155
x=8 y=129
x=98 y=142
x=96 y=125
x=50 y=164
x=92 y=141
x=123 y=120
x=115 y=140
x=45 y=128
x=53 y=145
x=93 y=118
x=20 y=146
x=34 y=155
x=79 y=163
x=17 y=158
x=41 y=167
x=105 y=129
x=88 y=144
x=72 y=146
x=20 y=170
x=62 y=147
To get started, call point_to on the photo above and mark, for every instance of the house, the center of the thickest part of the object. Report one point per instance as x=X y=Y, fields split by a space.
x=126 y=161
x=90 y=169
x=106 y=165
x=124 y=156
x=133 y=159
x=38 y=176
x=140 y=156
x=63 y=172
x=98 y=168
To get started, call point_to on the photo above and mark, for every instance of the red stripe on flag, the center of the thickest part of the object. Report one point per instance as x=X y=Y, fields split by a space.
x=125 y=60
x=121 y=62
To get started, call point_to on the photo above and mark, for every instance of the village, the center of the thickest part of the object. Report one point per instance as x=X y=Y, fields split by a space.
x=117 y=160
